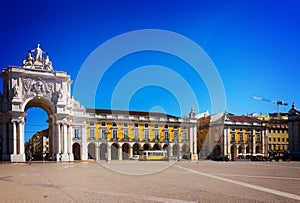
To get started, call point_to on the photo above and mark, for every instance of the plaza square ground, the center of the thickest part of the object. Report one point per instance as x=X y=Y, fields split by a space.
x=136 y=181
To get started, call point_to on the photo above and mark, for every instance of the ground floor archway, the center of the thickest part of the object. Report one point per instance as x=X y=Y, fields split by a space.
x=156 y=146
x=102 y=151
x=146 y=147
x=114 y=151
x=233 y=152
x=136 y=148
x=76 y=151
x=92 y=151
x=240 y=150
x=258 y=149
x=125 y=151
x=185 y=148
x=175 y=150
x=248 y=150
x=216 y=151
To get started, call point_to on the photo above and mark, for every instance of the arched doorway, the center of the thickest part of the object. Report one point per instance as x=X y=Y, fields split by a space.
x=125 y=151
x=76 y=151
x=92 y=151
x=233 y=152
x=136 y=147
x=36 y=134
x=114 y=151
x=184 y=148
x=103 y=151
x=146 y=147
x=165 y=147
x=175 y=150
x=156 y=146
x=258 y=149
x=216 y=151
x=248 y=150
x=240 y=150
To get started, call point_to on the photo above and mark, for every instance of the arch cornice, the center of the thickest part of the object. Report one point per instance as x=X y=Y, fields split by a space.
x=38 y=101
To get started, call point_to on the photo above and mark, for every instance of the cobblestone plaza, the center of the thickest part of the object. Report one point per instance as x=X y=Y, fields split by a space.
x=202 y=181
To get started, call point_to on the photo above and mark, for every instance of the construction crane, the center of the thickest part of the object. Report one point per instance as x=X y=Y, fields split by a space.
x=278 y=102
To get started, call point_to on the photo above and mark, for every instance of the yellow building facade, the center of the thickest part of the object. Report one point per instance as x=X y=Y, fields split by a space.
x=278 y=137
x=127 y=133
x=232 y=136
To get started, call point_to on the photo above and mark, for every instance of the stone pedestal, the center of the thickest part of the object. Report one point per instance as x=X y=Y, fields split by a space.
x=194 y=157
x=65 y=157
x=17 y=158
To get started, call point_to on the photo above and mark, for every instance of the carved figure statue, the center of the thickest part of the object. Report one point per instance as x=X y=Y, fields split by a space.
x=48 y=63
x=29 y=60
x=38 y=53
x=15 y=90
x=60 y=94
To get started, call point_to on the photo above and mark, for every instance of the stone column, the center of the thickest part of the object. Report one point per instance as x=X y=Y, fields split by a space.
x=21 y=137
x=14 y=137
x=65 y=139
x=70 y=136
x=109 y=152
x=224 y=140
x=130 y=151
x=191 y=138
x=171 y=149
x=84 y=150
x=195 y=140
x=120 y=153
x=58 y=141
x=97 y=151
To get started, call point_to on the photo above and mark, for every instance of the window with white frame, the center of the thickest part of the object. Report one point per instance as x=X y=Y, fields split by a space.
x=176 y=135
x=156 y=134
x=92 y=134
x=233 y=138
x=184 y=135
x=125 y=134
x=92 y=123
x=76 y=133
x=103 y=134
x=241 y=136
x=136 y=134
x=166 y=135
x=258 y=137
x=115 y=134
x=146 y=134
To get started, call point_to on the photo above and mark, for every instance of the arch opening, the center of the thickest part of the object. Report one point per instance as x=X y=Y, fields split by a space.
x=37 y=138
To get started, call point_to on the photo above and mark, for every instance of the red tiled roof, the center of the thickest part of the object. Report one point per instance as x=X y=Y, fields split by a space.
x=244 y=119
x=132 y=113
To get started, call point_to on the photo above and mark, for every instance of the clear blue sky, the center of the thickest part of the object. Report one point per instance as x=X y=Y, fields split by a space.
x=254 y=45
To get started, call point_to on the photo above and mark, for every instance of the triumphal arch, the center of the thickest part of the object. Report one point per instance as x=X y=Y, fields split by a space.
x=77 y=133
x=37 y=84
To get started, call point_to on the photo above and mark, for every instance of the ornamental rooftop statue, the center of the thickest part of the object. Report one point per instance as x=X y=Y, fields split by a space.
x=38 y=62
